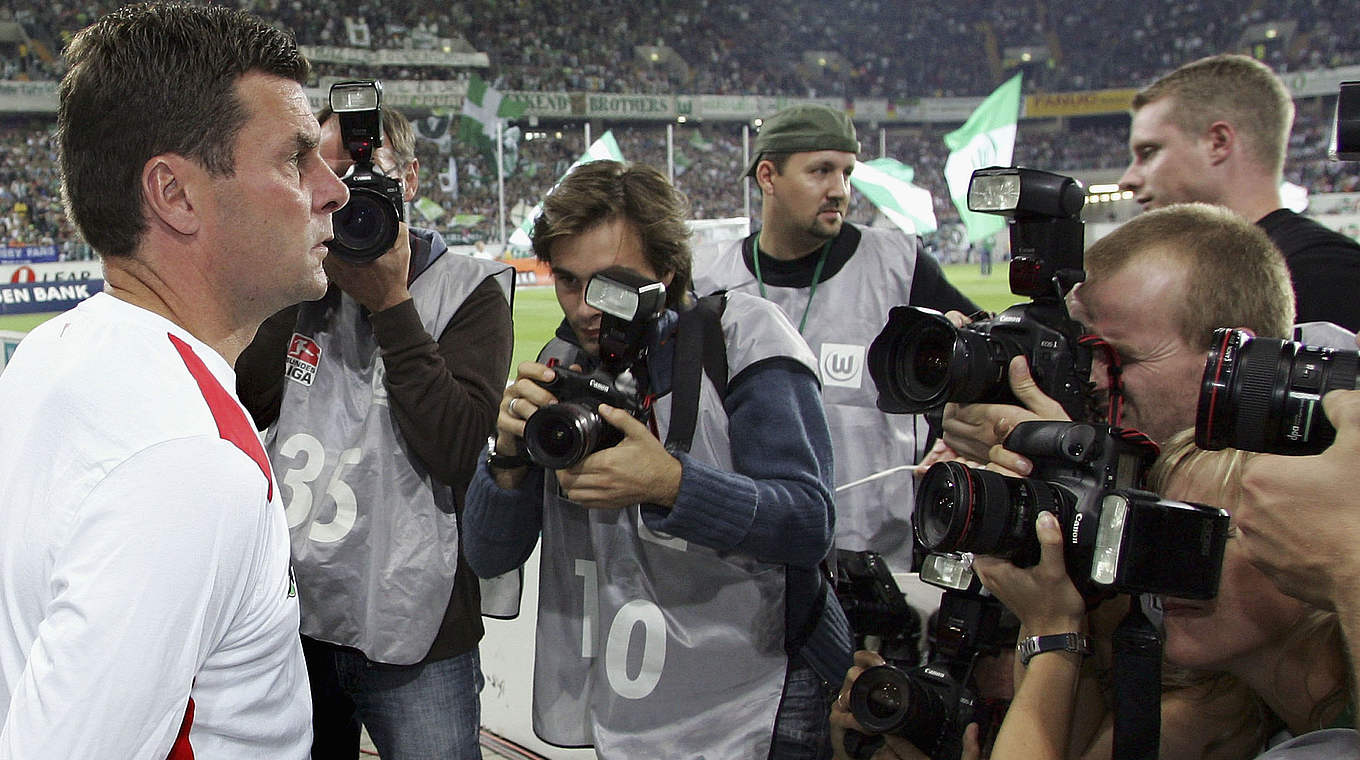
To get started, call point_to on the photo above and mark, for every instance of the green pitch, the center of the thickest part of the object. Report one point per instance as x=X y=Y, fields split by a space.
x=537 y=315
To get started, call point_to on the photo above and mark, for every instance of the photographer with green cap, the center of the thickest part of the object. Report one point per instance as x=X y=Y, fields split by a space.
x=836 y=282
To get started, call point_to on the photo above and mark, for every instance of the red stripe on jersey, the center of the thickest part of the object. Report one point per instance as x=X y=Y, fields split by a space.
x=181 y=750
x=231 y=421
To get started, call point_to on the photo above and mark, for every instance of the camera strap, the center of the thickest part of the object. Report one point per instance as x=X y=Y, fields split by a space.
x=1137 y=686
x=699 y=348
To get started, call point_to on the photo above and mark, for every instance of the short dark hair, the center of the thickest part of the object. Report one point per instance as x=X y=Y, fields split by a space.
x=149 y=79
x=1235 y=276
x=778 y=159
x=398 y=134
x=1231 y=87
x=601 y=191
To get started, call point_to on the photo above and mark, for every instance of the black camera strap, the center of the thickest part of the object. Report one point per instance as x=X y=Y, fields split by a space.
x=699 y=335
x=1137 y=686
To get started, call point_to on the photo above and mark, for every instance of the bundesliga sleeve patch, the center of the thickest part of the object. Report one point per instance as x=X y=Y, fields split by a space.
x=303 y=357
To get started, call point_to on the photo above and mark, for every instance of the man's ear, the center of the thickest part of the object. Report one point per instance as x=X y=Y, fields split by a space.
x=1221 y=140
x=765 y=172
x=169 y=185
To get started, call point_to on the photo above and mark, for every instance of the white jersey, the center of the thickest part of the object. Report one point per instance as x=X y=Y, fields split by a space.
x=146 y=603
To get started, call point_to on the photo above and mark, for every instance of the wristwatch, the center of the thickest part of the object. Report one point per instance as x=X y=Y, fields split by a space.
x=502 y=461
x=1076 y=643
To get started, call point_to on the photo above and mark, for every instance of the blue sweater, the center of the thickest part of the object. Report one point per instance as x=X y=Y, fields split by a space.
x=775 y=504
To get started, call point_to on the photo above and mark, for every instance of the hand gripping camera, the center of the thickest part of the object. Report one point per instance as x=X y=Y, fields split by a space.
x=560 y=435
x=367 y=226
x=920 y=360
x=1117 y=539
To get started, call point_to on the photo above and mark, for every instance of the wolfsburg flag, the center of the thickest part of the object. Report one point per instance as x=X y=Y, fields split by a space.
x=986 y=139
x=481 y=108
x=887 y=183
x=604 y=148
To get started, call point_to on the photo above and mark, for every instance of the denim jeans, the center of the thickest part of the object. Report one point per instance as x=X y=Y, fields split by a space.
x=428 y=711
x=802 y=728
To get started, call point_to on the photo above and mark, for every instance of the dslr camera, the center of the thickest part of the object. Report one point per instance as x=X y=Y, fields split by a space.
x=1265 y=394
x=930 y=705
x=560 y=435
x=1117 y=538
x=920 y=360
x=367 y=226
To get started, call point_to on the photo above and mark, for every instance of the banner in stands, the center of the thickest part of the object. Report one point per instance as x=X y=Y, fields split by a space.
x=58 y=271
x=28 y=254
x=1049 y=104
x=545 y=104
x=1333 y=203
x=394 y=57
x=41 y=97
x=38 y=297
x=1306 y=84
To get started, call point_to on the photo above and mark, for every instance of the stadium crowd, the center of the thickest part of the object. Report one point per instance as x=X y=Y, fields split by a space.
x=727 y=49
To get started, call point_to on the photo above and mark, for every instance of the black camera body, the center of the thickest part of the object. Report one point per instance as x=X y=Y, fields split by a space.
x=1265 y=394
x=560 y=435
x=1117 y=538
x=876 y=607
x=920 y=360
x=925 y=705
x=931 y=705
x=367 y=226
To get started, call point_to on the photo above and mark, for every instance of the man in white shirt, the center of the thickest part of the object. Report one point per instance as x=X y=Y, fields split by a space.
x=144 y=577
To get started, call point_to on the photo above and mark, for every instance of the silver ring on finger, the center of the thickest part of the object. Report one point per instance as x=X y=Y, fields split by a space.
x=511 y=407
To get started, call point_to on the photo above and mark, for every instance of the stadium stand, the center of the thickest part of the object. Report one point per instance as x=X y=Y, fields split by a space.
x=871 y=48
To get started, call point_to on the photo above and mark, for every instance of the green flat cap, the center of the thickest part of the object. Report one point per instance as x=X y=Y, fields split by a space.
x=802 y=128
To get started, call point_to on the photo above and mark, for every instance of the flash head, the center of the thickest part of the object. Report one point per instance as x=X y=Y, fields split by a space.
x=625 y=294
x=1016 y=191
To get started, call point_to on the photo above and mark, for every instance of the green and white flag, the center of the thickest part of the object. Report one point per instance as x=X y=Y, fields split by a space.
x=986 y=139
x=482 y=107
x=605 y=148
x=887 y=182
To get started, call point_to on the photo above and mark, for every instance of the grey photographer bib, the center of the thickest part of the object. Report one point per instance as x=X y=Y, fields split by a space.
x=874 y=451
x=374 y=536
x=652 y=646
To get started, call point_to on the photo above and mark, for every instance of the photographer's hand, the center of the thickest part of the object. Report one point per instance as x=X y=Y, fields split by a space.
x=976 y=431
x=637 y=470
x=518 y=403
x=379 y=284
x=1299 y=518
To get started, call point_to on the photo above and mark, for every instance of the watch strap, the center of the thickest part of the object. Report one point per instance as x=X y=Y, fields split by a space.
x=1076 y=643
x=503 y=461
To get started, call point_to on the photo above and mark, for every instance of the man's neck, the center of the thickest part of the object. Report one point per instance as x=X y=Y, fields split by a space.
x=779 y=242
x=128 y=280
x=1253 y=194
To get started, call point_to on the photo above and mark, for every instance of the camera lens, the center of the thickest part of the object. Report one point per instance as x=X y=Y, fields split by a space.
x=560 y=435
x=366 y=227
x=964 y=509
x=888 y=700
x=923 y=362
x=1265 y=394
